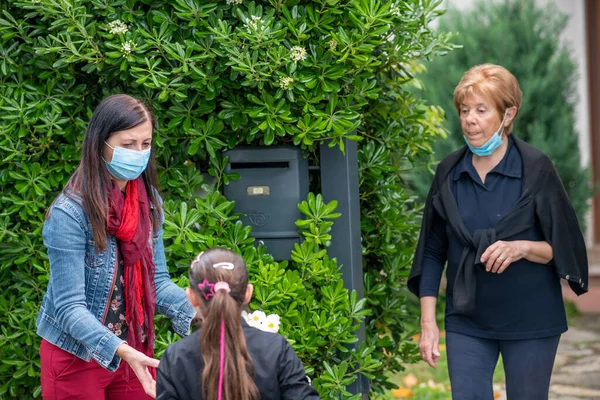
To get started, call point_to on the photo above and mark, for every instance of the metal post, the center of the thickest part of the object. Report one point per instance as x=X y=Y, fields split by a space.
x=339 y=181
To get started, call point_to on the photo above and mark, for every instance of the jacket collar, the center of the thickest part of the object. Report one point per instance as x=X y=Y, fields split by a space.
x=510 y=165
x=530 y=158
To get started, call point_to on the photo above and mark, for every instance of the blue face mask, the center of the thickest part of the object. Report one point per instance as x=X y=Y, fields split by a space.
x=491 y=145
x=127 y=164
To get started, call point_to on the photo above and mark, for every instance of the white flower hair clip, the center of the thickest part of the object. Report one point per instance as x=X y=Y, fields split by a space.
x=224 y=265
x=261 y=321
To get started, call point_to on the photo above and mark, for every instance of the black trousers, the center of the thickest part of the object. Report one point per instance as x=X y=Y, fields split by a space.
x=527 y=366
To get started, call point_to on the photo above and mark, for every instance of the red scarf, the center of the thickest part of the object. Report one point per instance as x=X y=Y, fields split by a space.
x=129 y=221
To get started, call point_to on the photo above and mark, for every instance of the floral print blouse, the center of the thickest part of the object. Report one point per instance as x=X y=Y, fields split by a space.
x=115 y=317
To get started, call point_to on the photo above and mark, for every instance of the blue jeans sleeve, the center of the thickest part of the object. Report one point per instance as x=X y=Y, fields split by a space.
x=434 y=258
x=171 y=300
x=66 y=242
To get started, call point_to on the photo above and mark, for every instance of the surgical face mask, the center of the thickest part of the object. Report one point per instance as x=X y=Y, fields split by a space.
x=491 y=145
x=127 y=164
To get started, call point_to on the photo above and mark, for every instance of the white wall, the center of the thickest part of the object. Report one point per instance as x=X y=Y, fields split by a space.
x=574 y=37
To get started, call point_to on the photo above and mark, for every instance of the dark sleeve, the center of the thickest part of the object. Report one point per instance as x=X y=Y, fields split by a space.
x=293 y=382
x=561 y=230
x=414 y=279
x=165 y=387
x=434 y=258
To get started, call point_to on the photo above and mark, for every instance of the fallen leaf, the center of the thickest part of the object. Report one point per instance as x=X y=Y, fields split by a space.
x=416 y=337
x=402 y=393
x=497 y=395
x=410 y=380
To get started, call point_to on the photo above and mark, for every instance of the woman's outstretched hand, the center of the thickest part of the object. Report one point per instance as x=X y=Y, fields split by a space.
x=139 y=363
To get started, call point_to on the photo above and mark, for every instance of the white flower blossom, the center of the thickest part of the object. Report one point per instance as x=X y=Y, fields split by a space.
x=297 y=53
x=260 y=320
x=271 y=324
x=127 y=47
x=285 y=83
x=257 y=317
x=117 y=26
x=253 y=22
x=234 y=2
x=395 y=10
x=332 y=44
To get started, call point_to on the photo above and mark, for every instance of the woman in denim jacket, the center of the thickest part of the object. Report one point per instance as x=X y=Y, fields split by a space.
x=108 y=272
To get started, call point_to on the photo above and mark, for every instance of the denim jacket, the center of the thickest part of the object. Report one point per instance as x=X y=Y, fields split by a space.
x=81 y=278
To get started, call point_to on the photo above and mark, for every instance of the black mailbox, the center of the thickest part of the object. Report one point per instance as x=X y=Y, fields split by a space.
x=273 y=180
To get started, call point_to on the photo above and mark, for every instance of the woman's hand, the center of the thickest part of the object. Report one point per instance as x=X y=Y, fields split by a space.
x=429 y=341
x=429 y=344
x=501 y=254
x=139 y=363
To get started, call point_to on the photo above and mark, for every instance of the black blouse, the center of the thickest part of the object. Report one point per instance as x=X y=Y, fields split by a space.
x=505 y=306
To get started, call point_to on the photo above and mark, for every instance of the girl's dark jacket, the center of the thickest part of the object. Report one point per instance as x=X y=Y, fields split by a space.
x=543 y=199
x=279 y=372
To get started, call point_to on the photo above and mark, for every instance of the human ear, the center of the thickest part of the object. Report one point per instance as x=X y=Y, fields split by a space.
x=511 y=113
x=193 y=297
x=249 y=291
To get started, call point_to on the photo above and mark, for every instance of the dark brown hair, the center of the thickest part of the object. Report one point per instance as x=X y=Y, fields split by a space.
x=238 y=368
x=90 y=182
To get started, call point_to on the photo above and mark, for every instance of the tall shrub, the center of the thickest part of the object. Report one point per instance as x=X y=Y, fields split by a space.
x=525 y=39
x=219 y=74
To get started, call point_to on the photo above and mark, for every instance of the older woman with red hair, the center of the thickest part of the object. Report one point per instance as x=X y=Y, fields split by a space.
x=498 y=216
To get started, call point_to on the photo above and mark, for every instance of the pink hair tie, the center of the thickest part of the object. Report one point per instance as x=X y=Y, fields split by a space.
x=222 y=285
x=221 y=357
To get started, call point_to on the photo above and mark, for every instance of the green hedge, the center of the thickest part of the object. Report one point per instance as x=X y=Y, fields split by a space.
x=219 y=74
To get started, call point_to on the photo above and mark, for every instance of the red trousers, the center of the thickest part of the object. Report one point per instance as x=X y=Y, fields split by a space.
x=65 y=376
